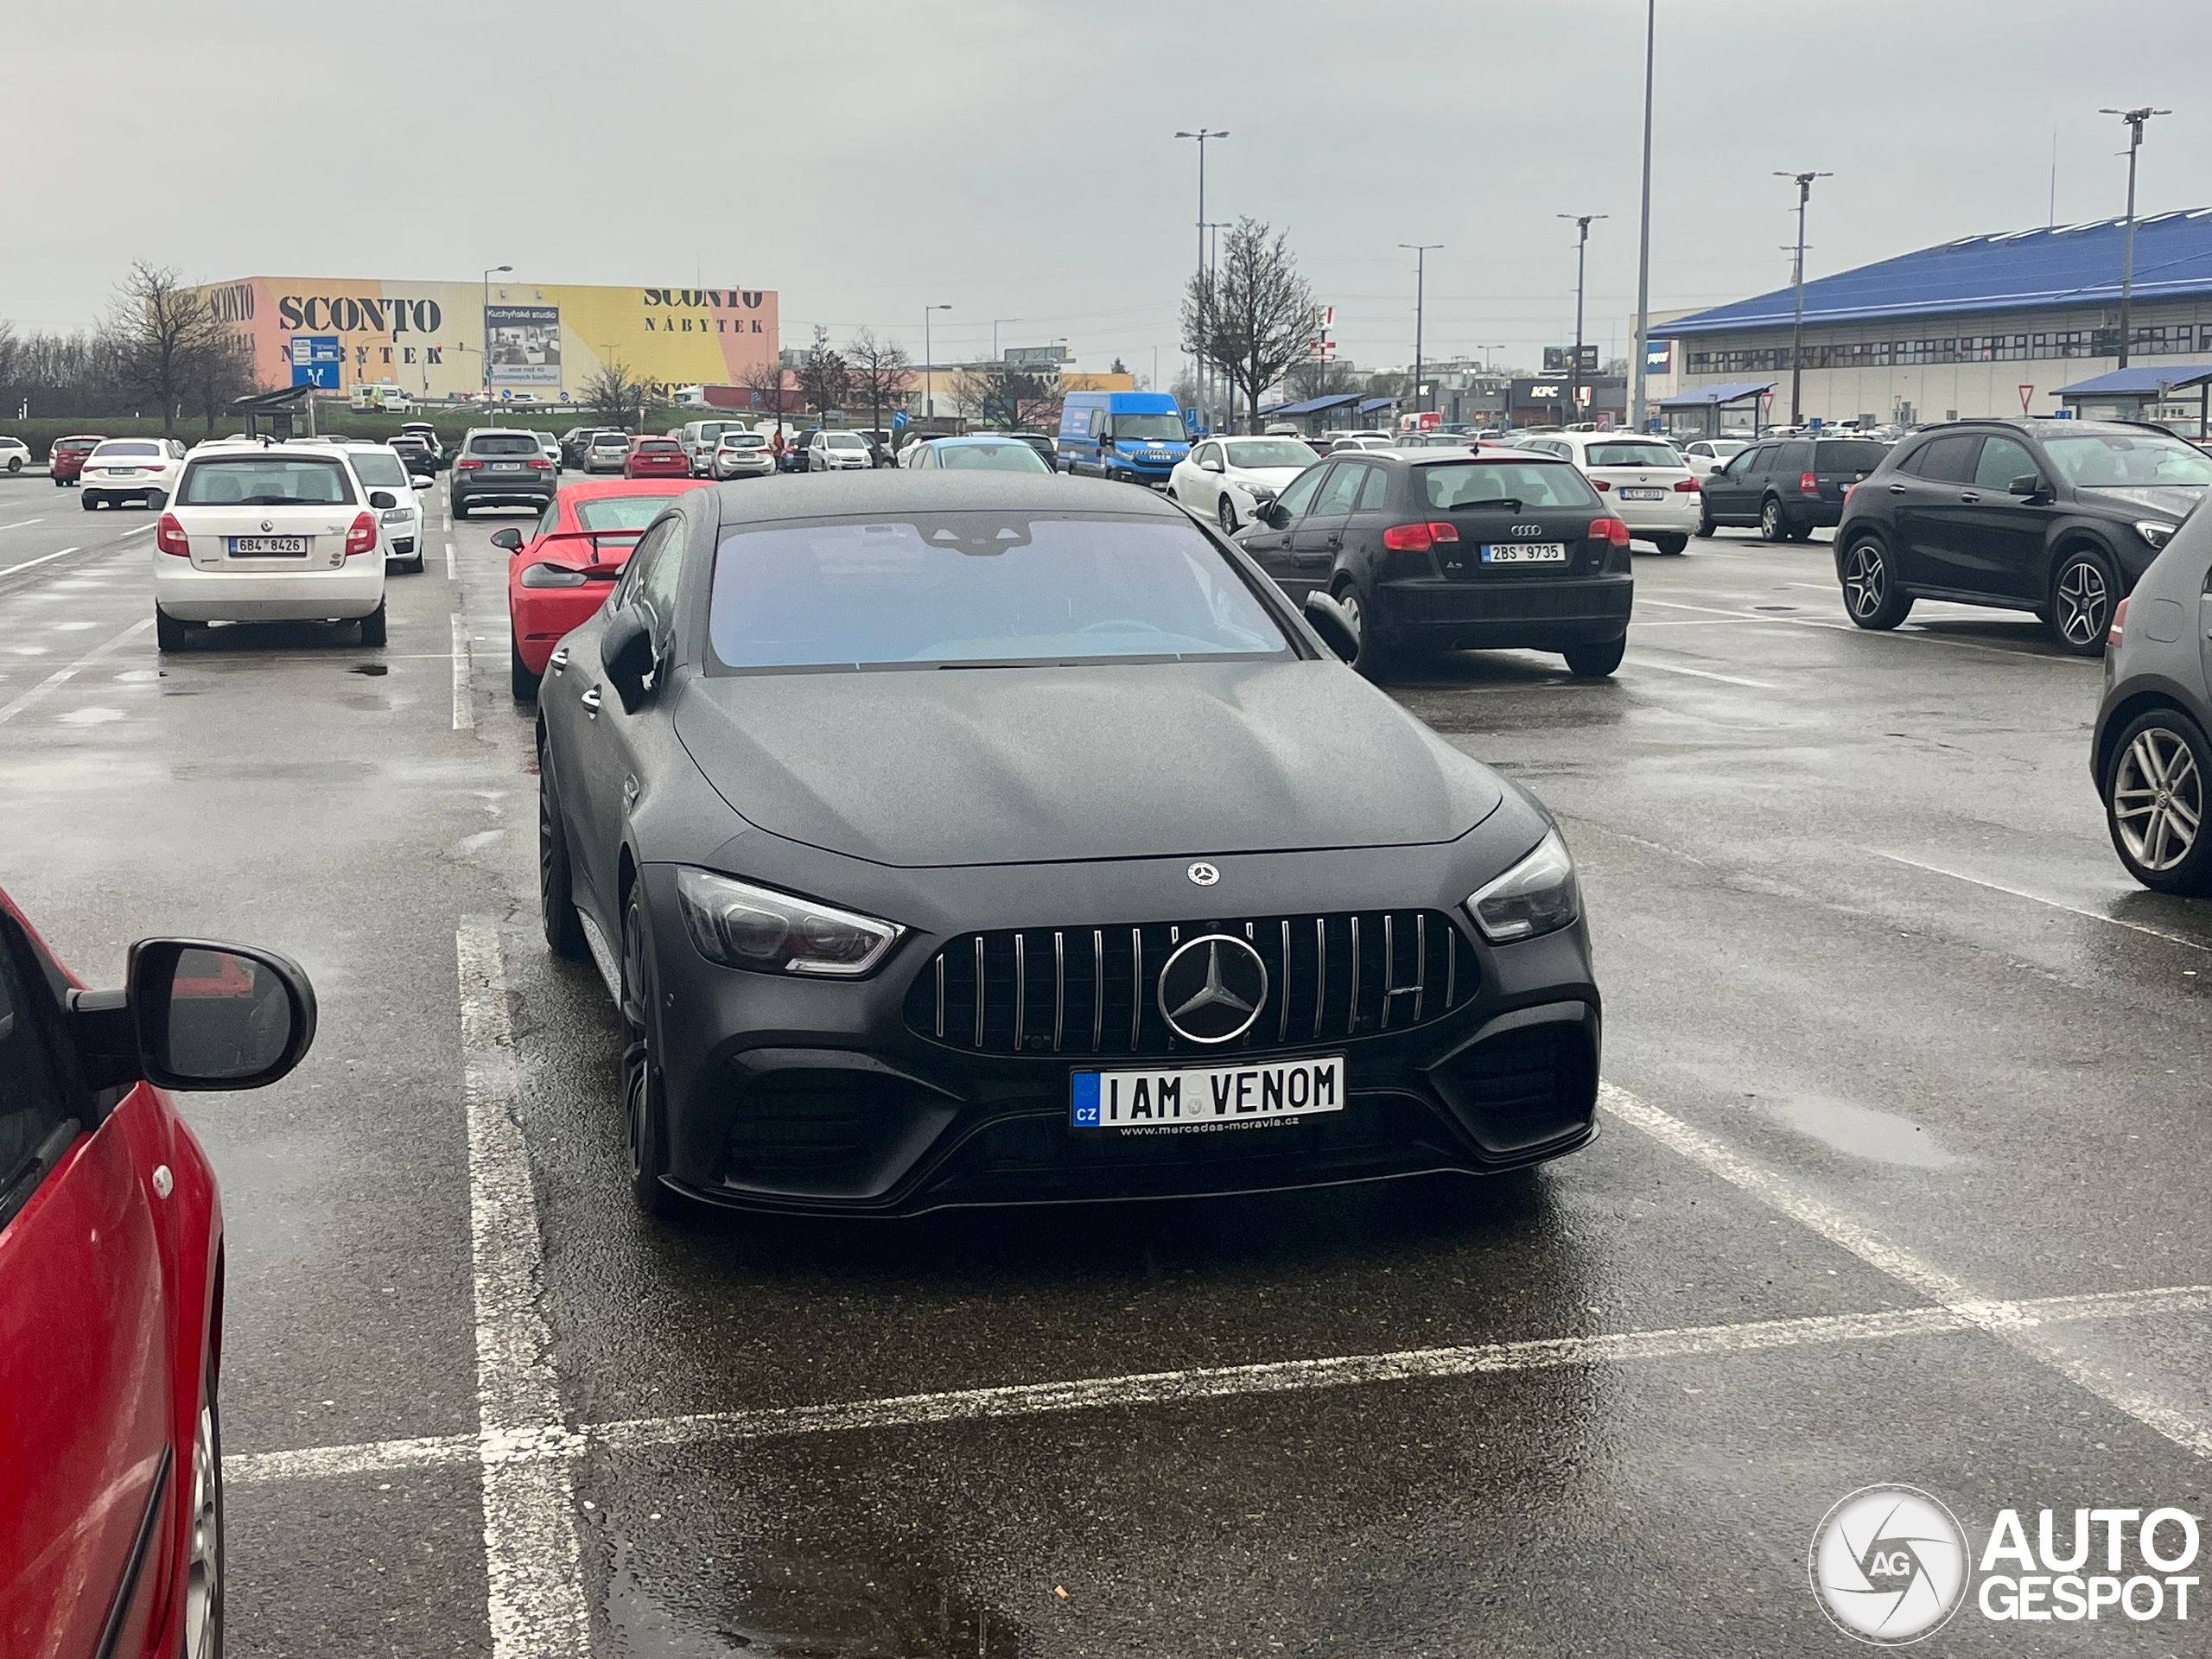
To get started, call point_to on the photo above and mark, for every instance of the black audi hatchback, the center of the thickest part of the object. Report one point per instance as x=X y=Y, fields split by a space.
x=965 y=838
x=2059 y=518
x=1472 y=548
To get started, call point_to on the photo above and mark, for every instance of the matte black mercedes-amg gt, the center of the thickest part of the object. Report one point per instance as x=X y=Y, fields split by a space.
x=962 y=839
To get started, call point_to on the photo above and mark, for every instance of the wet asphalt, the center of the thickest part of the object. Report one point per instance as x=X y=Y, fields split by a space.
x=1857 y=922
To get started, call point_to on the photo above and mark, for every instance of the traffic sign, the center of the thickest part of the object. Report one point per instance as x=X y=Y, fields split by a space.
x=898 y=420
x=2026 y=392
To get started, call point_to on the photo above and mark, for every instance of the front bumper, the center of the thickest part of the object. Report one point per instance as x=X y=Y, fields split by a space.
x=1501 y=614
x=798 y=1096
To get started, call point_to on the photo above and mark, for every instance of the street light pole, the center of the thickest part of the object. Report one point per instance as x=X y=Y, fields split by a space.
x=1420 y=252
x=1201 y=135
x=2135 y=118
x=1582 y=222
x=1639 y=413
x=1804 y=183
x=928 y=365
x=489 y=272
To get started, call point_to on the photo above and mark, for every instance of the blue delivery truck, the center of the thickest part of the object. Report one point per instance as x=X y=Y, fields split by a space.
x=1135 y=436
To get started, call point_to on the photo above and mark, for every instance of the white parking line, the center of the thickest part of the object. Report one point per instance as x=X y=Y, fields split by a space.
x=2055 y=904
x=1987 y=1314
x=1228 y=1382
x=453 y=567
x=464 y=705
x=59 y=553
x=22 y=524
x=533 y=1563
x=10 y=710
x=1701 y=673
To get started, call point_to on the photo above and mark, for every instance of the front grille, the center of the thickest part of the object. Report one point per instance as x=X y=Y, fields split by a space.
x=1522 y=1089
x=803 y=1126
x=1090 y=990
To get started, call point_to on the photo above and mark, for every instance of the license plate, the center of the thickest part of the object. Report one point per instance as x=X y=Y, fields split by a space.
x=123 y=472
x=1644 y=495
x=1525 y=553
x=506 y=466
x=268 y=544
x=1209 y=1099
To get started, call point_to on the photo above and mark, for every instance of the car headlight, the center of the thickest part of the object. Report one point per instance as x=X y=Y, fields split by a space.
x=551 y=575
x=2157 y=532
x=740 y=925
x=1537 y=895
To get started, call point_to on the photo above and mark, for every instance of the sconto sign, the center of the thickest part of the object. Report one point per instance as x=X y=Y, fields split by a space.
x=450 y=340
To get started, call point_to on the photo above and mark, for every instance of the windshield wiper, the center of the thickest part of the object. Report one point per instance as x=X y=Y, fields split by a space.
x=1511 y=504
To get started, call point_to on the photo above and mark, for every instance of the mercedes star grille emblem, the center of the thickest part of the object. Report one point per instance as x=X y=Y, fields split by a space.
x=1202 y=875
x=1212 y=988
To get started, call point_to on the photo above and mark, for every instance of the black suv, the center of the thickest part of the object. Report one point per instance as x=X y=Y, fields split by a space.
x=1434 y=549
x=1787 y=486
x=2059 y=518
x=501 y=467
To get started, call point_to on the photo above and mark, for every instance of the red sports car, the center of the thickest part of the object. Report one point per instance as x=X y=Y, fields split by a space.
x=656 y=458
x=566 y=568
x=112 y=1286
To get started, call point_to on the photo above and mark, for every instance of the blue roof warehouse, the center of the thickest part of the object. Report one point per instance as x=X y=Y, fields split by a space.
x=1986 y=325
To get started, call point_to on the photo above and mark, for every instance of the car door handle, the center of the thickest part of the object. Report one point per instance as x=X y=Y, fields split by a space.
x=1969 y=497
x=590 y=700
x=559 y=661
x=1336 y=540
x=1897 y=489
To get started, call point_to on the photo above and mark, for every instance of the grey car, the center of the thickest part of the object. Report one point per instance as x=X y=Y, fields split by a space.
x=2149 y=755
x=502 y=467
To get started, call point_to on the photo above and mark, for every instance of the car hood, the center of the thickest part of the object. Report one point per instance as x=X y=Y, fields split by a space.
x=2177 y=501
x=924 y=767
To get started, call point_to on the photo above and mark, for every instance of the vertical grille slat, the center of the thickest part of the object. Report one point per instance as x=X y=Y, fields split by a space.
x=1374 y=972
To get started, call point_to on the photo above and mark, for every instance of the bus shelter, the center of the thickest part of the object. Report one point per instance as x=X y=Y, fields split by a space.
x=1701 y=413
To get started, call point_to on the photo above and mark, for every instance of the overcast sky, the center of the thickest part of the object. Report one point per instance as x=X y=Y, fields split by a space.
x=1015 y=159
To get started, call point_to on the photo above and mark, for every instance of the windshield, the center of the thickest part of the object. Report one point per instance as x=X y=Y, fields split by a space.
x=620 y=512
x=2102 y=460
x=611 y=440
x=742 y=441
x=660 y=447
x=1261 y=453
x=1724 y=448
x=1632 y=454
x=980 y=588
x=263 y=481
x=990 y=458
x=380 y=469
x=127 y=447
x=503 y=443
x=1153 y=428
x=1509 y=484
x=1848 y=455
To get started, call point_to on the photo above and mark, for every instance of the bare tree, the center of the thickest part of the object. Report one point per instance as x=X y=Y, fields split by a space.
x=823 y=379
x=220 y=371
x=613 y=393
x=1033 y=400
x=162 y=332
x=1254 y=316
x=766 y=382
x=975 y=392
x=881 y=373
x=1314 y=379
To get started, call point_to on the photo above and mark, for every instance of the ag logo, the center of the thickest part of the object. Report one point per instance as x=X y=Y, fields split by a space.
x=1889 y=1565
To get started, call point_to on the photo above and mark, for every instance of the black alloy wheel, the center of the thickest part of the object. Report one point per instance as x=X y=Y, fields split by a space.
x=2082 y=593
x=644 y=1091
x=556 y=893
x=1772 y=527
x=2154 y=791
x=1871 y=596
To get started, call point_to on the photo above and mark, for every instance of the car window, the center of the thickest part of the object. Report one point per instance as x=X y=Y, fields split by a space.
x=619 y=511
x=266 y=480
x=1848 y=456
x=1299 y=495
x=2002 y=461
x=2093 y=461
x=1796 y=456
x=611 y=440
x=1372 y=492
x=1619 y=454
x=1950 y=459
x=35 y=1108
x=664 y=573
x=550 y=520
x=1012 y=587
x=1755 y=459
x=503 y=443
x=1342 y=487
x=990 y=458
x=1524 y=483
x=129 y=447
x=380 y=469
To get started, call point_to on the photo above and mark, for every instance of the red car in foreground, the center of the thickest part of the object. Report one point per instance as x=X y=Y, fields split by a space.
x=656 y=458
x=65 y=457
x=112 y=1286
x=565 y=569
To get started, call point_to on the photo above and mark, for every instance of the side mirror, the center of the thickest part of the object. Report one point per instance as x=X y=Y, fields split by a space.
x=1333 y=623
x=2029 y=485
x=196 y=1014
x=421 y=481
x=1209 y=465
x=510 y=538
x=625 y=650
x=382 y=500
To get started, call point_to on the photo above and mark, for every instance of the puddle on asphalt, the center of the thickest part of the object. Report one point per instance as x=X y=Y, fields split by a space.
x=374 y=671
x=1861 y=1131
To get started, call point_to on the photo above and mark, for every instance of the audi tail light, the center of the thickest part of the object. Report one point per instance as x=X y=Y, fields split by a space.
x=2119 y=626
x=169 y=537
x=1808 y=483
x=1418 y=538
x=362 y=538
x=1687 y=486
x=1610 y=530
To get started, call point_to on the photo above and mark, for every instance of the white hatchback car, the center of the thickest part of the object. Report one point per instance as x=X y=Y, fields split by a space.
x=269 y=533
x=380 y=467
x=837 y=452
x=1706 y=457
x=1223 y=476
x=130 y=470
x=1649 y=485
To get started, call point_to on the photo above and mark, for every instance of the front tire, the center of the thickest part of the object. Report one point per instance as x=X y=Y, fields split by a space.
x=1225 y=512
x=1871 y=596
x=2154 y=791
x=2082 y=593
x=203 y=1581
x=645 y=1093
x=1595 y=662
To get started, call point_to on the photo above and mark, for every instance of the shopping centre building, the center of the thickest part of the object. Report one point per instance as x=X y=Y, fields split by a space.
x=546 y=340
